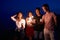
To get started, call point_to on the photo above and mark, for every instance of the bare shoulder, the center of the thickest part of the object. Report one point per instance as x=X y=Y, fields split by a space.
x=26 y=17
x=22 y=19
x=52 y=13
x=43 y=16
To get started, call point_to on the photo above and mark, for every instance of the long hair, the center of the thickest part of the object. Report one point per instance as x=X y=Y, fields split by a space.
x=28 y=13
x=18 y=14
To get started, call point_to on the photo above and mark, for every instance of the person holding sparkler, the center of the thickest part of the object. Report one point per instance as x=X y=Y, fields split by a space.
x=20 y=23
x=29 y=28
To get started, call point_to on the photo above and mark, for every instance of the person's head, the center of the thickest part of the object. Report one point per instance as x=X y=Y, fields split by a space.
x=45 y=8
x=30 y=14
x=19 y=15
x=37 y=11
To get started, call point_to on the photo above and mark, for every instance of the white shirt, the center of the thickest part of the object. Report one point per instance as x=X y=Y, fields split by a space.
x=20 y=23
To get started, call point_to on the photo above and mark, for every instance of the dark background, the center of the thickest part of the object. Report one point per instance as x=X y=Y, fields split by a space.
x=10 y=7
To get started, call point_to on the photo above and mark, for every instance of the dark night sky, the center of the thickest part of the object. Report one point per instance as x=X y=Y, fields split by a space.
x=10 y=7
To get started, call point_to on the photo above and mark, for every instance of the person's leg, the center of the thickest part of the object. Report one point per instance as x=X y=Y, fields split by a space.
x=16 y=35
x=46 y=34
x=30 y=38
x=51 y=35
x=35 y=35
x=40 y=35
x=22 y=34
x=19 y=37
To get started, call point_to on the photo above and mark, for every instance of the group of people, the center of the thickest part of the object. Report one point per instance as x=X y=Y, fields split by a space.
x=34 y=27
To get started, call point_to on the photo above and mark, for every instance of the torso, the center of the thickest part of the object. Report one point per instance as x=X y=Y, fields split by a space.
x=29 y=21
x=49 y=23
x=38 y=26
x=19 y=23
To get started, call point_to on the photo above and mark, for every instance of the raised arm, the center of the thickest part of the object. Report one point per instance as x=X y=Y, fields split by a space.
x=13 y=18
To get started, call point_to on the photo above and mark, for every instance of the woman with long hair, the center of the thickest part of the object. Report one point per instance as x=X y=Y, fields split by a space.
x=20 y=24
x=29 y=28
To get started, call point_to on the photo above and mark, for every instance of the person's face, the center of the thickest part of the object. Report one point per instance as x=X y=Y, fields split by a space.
x=37 y=12
x=20 y=15
x=30 y=14
x=44 y=9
